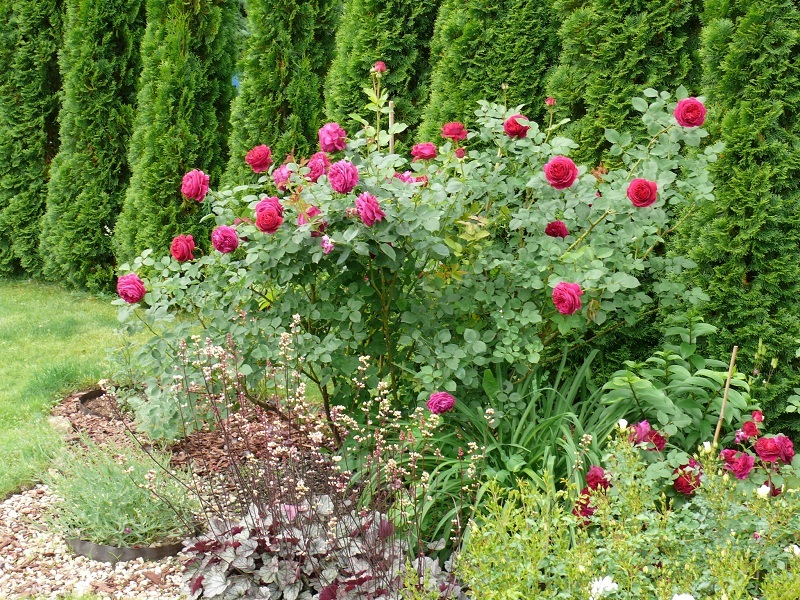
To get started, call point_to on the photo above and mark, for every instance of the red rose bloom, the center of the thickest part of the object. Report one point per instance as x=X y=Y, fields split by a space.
x=514 y=129
x=268 y=220
x=130 y=288
x=426 y=151
x=556 y=229
x=785 y=448
x=259 y=158
x=644 y=434
x=688 y=477
x=742 y=465
x=767 y=449
x=460 y=153
x=583 y=508
x=182 y=247
x=195 y=185
x=270 y=202
x=560 y=172
x=596 y=477
x=750 y=429
x=567 y=297
x=690 y=112
x=454 y=131
x=642 y=193
x=758 y=416
x=729 y=456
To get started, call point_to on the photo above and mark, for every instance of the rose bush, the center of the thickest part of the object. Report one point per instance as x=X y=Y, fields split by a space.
x=448 y=272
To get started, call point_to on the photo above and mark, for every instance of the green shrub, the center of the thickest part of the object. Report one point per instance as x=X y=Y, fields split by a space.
x=29 y=102
x=100 y=66
x=287 y=53
x=183 y=108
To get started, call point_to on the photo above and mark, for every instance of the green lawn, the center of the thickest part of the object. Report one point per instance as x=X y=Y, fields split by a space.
x=51 y=341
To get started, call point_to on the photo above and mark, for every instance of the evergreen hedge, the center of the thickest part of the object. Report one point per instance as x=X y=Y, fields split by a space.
x=29 y=102
x=611 y=51
x=183 y=110
x=282 y=70
x=477 y=47
x=397 y=32
x=747 y=243
x=100 y=67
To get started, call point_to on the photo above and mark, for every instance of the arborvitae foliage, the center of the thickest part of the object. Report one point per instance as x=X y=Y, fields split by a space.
x=29 y=84
x=477 y=47
x=183 y=109
x=747 y=242
x=612 y=50
x=397 y=32
x=282 y=70
x=100 y=67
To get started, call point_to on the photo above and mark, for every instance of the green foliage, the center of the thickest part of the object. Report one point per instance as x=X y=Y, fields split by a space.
x=611 y=50
x=287 y=54
x=744 y=244
x=100 y=67
x=183 y=108
x=119 y=497
x=428 y=292
x=477 y=47
x=30 y=36
x=397 y=32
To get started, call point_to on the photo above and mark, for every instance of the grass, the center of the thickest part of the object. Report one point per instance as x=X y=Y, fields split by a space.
x=51 y=341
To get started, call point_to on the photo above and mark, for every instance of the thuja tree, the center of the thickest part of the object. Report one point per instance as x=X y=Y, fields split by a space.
x=100 y=67
x=612 y=50
x=746 y=243
x=398 y=33
x=29 y=85
x=282 y=70
x=479 y=48
x=183 y=108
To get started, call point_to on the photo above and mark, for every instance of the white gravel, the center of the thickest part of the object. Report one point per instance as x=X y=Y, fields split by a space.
x=37 y=563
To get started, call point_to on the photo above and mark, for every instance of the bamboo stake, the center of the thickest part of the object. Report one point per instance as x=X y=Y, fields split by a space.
x=391 y=123
x=725 y=396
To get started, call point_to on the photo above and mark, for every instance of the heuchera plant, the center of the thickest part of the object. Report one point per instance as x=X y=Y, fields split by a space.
x=476 y=253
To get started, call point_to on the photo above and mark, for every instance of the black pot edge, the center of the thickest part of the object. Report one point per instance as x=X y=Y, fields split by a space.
x=112 y=554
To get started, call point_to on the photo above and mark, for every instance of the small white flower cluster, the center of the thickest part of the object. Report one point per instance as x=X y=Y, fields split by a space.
x=602 y=587
x=793 y=549
x=683 y=597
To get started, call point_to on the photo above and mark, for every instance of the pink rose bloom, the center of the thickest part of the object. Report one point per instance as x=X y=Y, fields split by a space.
x=270 y=202
x=596 y=477
x=550 y=101
x=741 y=465
x=642 y=193
x=327 y=244
x=644 y=434
x=454 y=131
x=567 y=297
x=308 y=216
x=195 y=185
x=379 y=67
x=560 y=172
x=130 y=288
x=405 y=176
x=426 y=151
x=259 y=158
x=556 y=229
x=318 y=164
x=343 y=176
x=441 y=402
x=460 y=153
x=688 y=477
x=513 y=129
x=182 y=247
x=729 y=456
x=785 y=448
x=224 y=239
x=690 y=112
x=368 y=209
x=758 y=416
x=281 y=177
x=332 y=137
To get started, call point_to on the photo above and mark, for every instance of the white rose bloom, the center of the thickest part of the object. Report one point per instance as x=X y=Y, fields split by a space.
x=601 y=587
x=763 y=491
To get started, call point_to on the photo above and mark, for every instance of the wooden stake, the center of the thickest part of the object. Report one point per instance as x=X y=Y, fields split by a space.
x=725 y=396
x=391 y=123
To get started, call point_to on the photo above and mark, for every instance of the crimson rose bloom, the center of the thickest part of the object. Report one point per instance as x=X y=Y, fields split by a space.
x=268 y=220
x=224 y=239
x=567 y=297
x=368 y=209
x=785 y=448
x=596 y=477
x=642 y=192
x=454 y=131
x=644 y=434
x=259 y=158
x=583 y=508
x=688 y=477
x=130 y=288
x=195 y=185
x=556 y=229
x=742 y=465
x=767 y=449
x=181 y=248
x=514 y=129
x=690 y=112
x=426 y=151
x=268 y=202
x=343 y=176
x=308 y=216
x=318 y=164
x=560 y=172
x=281 y=177
x=750 y=429
x=460 y=153
x=441 y=402
x=729 y=456
x=332 y=137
